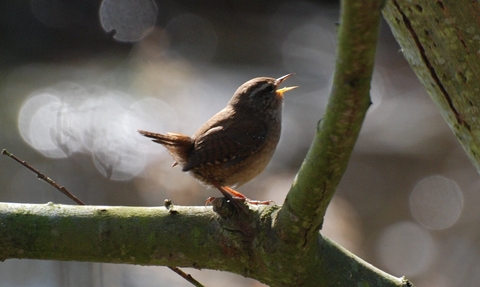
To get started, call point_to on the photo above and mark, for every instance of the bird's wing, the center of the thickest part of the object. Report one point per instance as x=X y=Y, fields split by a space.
x=227 y=143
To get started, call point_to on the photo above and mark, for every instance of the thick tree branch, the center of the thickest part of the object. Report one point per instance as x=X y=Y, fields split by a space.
x=440 y=40
x=182 y=236
x=302 y=214
x=147 y=236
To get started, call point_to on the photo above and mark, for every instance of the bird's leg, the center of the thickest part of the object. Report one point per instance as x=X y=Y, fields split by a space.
x=229 y=196
x=238 y=195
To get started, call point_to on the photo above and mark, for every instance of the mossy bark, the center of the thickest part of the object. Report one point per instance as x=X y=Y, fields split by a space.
x=441 y=41
x=194 y=237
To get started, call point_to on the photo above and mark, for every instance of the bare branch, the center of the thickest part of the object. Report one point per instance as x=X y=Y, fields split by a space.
x=302 y=214
x=45 y=178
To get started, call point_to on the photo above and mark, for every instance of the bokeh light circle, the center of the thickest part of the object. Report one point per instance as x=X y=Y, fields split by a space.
x=130 y=20
x=70 y=118
x=38 y=122
x=436 y=202
x=405 y=248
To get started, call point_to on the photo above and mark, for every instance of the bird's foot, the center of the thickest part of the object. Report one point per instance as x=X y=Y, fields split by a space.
x=236 y=197
x=259 y=202
x=239 y=196
x=210 y=200
x=238 y=203
x=242 y=199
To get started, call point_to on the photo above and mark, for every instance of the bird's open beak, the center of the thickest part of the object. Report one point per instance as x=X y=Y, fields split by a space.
x=286 y=89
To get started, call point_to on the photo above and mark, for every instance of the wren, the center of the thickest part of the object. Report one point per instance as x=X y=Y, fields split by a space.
x=237 y=143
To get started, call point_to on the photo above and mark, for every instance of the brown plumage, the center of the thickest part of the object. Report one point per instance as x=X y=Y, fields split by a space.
x=237 y=143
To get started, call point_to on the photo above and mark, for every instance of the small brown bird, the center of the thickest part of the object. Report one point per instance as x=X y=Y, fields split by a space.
x=237 y=143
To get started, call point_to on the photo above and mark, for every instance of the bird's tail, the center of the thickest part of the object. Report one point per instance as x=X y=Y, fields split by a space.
x=179 y=146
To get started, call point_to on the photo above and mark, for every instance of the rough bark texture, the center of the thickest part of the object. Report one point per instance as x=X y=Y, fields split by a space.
x=441 y=41
x=180 y=236
x=327 y=159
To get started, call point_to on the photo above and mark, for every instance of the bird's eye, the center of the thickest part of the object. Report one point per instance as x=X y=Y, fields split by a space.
x=269 y=88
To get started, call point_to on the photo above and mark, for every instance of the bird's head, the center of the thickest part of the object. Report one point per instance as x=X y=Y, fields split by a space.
x=262 y=94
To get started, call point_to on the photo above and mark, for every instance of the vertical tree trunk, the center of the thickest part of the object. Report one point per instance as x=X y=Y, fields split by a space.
x=441 y=41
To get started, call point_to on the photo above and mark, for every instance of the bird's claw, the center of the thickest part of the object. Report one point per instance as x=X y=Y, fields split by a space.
x=242 y=199
x=212 y=198
x=260 y=202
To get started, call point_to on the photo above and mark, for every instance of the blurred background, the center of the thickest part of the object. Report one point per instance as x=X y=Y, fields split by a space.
x=77 y=79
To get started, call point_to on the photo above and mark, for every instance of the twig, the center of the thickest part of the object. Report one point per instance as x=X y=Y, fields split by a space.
x=45 y=178
x=187 y=277
x=63 y=190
